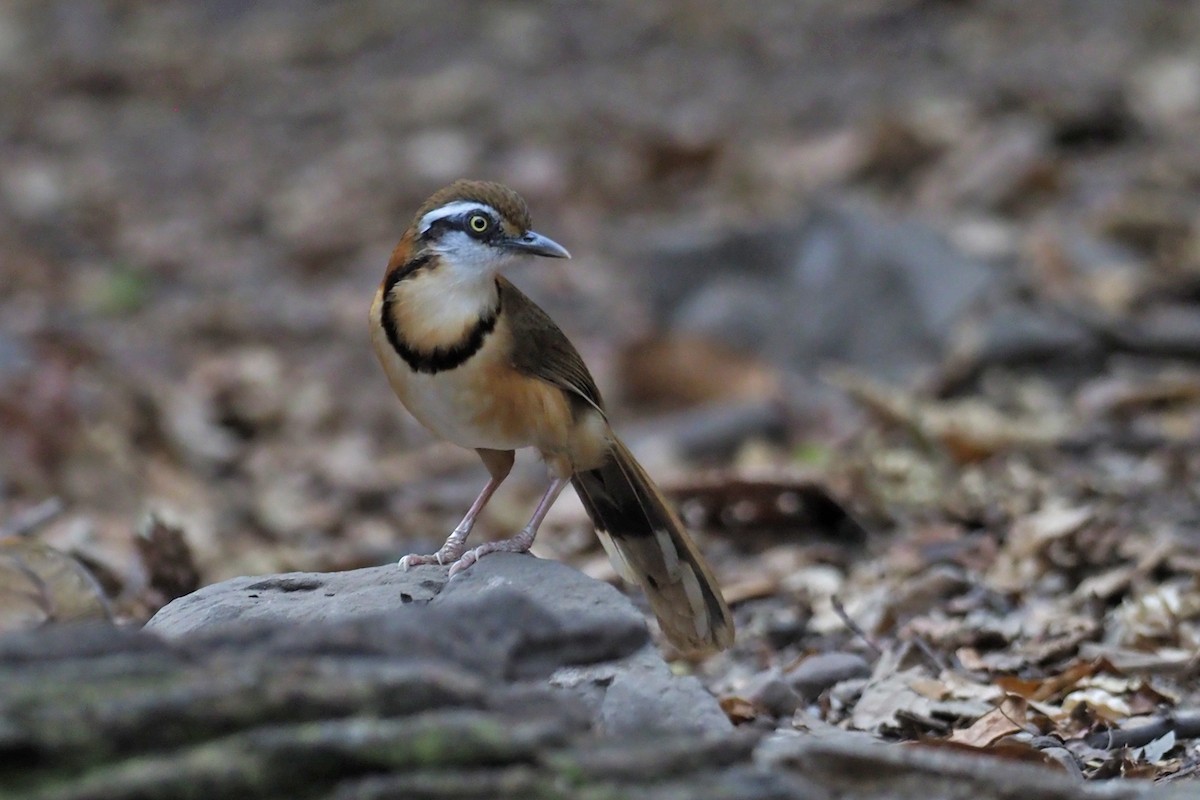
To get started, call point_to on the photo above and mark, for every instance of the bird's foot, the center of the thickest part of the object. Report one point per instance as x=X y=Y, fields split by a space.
x=448 y=554
x=517 y=544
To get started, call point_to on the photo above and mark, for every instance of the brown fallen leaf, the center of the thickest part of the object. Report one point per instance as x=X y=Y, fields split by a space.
x=751 y=587
x=170 y=568
x=1034 y=531
x=1163 y=660
x=1164 y=615
x=40 y=585
x=1025 y=556
x=1053 y=687
x=1004 y=720
x=738 y=709
x=1106 y=706
x=729 y=500
x=969 y=430
x=906 y=695
x=1129 y=394
x=680 y=371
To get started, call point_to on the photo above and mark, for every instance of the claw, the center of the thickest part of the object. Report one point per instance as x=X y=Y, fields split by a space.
x=464 y=563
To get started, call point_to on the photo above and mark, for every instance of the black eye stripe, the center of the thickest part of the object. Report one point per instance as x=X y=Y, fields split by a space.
x=463 y=223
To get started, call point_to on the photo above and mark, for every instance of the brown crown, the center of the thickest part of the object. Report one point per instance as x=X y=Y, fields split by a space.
x=508 y=203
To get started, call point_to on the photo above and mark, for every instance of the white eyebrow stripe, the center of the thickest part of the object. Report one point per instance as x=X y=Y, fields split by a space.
x=453 y=209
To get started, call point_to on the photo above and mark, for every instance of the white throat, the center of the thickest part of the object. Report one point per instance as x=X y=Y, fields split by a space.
x=466 y=257
x=466 y=275
x=439 y=305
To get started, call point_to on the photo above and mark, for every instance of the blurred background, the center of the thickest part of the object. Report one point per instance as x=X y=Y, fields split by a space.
x=915 y=266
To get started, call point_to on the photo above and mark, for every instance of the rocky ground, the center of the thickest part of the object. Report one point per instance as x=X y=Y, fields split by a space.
x=899 y=299
x=525 y=679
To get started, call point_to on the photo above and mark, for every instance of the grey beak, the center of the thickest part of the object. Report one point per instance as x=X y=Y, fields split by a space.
x=538 y=245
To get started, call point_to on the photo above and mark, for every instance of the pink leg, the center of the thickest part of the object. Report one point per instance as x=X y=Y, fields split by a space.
x=523 y=540
x=499 y=463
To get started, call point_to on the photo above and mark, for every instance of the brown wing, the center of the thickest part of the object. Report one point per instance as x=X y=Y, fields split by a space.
x=545 y=351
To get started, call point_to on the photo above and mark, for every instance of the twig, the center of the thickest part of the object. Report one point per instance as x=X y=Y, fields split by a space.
x=1186 y=772
x=1185 y=726
x=26 y=522
x=853 y=626
x=929 y=653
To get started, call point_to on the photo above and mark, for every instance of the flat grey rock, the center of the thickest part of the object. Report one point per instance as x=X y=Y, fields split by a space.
x=574 y=599
x=634 y=694
x=296 y=597
x=640 y=693
x=529 y=617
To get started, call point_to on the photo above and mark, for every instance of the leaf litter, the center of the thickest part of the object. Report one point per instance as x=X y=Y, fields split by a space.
x=1027 y=583
x=1025 y=591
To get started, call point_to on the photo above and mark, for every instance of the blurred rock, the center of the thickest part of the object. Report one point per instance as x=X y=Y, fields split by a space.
x=1170 y=330
x=16 y=356
x=713 y=432
x=12 y=40
x=817 y=673
x=845 y=285
x=34 y=190
x=772 y=693
x=1166 y=91
x=1023 y=336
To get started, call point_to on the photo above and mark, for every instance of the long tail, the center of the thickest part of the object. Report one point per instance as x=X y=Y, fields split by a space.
x=648 y=545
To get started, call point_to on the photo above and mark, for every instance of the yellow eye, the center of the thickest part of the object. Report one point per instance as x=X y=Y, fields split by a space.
x=479 y=223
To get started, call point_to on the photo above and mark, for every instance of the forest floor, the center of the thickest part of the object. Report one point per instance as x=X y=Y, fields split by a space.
x=1001 y=541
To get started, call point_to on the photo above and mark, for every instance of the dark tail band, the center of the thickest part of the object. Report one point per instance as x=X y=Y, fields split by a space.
x=649 y=546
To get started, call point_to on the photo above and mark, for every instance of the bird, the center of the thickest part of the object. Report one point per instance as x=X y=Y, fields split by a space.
x=479 y=364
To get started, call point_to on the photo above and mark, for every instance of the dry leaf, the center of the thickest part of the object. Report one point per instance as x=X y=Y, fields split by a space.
x=732 y=500
x=885 y=701
x=40 y=585
x=1105 y=705
x=739 y=710
x=970 y=429
x=1051 y=687
x=680 y=371
x=1157 y=617
x=1033 y=532
x=167 y=558
x=1157 y=749
x=1006 y=719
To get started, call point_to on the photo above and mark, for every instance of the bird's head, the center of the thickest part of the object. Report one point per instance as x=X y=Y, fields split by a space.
x=478 y=225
